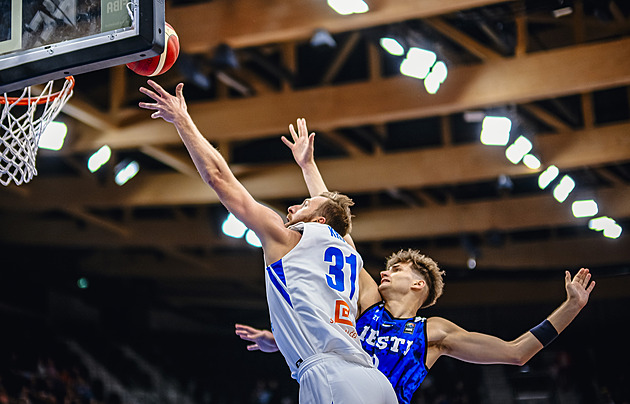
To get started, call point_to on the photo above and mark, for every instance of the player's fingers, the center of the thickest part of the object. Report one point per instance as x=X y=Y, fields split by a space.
x=157 y=88
x=287 y=142
x=254 y=347
x=179 y=91
x=294 y=133
x=302 y=127
x=147 y=105
x=150 y=93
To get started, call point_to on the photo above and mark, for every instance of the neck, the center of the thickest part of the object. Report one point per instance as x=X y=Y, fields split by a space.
x=404 y=307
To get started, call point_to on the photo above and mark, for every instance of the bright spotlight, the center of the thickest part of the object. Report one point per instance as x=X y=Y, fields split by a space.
x=126 y=171
x=517 y=150
x=612 y=231
x=392 y=46
x=531 y=162
x=563 y=189
x=600 y=223
x=233 y=227
x=252 y=239
x=436 y=77
x=586 y=208
x=418 y=63
x=99 y=158
x=546 y=177
x=495 y=130
x=347 y=7
x=53 y=136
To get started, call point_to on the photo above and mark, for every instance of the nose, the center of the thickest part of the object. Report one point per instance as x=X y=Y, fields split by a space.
x=292 y=209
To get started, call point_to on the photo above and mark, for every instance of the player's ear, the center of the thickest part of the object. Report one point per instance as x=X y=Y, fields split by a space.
x=321 y=220
x=418 y=284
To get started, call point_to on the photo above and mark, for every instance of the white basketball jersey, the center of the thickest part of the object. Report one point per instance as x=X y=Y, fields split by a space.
x=312 y=294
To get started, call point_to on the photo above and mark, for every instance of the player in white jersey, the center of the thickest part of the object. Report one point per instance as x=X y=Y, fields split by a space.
x=311 y=275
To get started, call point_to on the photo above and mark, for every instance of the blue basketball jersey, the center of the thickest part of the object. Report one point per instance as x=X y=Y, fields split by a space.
x=397 y=346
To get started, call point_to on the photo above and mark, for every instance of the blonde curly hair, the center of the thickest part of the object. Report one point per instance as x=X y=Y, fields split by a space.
x=425 y=266
x=336 y=210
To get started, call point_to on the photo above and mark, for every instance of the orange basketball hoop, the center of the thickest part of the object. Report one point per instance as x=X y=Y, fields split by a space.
x=22 y=127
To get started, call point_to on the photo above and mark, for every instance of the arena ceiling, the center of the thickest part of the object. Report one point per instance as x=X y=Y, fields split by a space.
x=412 y=161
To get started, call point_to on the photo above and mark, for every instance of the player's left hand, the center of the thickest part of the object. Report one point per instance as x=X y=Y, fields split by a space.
x=580 y=287
x=263 y=340
x=302 y=145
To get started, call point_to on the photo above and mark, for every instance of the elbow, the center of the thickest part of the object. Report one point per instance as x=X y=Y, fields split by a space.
x=517 y=354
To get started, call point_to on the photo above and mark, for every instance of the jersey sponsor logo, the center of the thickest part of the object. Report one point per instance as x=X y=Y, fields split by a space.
x=392 y=343
x=342 y=313
x=409 y=327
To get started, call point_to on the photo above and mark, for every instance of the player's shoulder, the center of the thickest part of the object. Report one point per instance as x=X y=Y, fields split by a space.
x=440 y=326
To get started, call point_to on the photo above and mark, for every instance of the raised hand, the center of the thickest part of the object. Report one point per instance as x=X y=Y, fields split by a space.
x=167 y=106
x=262 y=339
x=302 y=145
x=580 y=287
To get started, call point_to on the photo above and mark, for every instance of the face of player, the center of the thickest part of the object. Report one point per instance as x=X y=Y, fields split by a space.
x=399 y=279
x=305 y=212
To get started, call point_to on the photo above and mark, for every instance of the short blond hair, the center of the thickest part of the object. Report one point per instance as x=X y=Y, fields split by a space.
x=424 y=265
x=336 y=210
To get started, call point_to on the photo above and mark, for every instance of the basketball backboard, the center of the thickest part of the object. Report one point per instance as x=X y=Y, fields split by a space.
x=42 y=40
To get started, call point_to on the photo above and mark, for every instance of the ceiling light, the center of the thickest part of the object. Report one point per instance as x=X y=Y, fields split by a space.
x=100 y=157
x=600 y=223
x=392 y=46
x=585 y=208
x=125 y=171
x=517 y=150
x=418 y=63
x=53 y=136
x=252 y=239
x=563 y=189
x=531 y=162
x=495 y=130
x=347 y=7
x=233 y=227
x=612 y=231
x=546 y=177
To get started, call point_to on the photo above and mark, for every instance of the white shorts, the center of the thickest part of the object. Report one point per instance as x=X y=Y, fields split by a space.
x=329 y=379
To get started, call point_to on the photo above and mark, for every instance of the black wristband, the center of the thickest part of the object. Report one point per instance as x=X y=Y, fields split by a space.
x=544 y=332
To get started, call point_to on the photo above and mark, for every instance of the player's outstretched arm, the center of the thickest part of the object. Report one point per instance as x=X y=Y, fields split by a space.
x=263 y=340
x=302 y=147
x=212 y=166
x=446 y=338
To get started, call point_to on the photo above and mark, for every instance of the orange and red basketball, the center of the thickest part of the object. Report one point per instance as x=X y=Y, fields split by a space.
x=159 y=64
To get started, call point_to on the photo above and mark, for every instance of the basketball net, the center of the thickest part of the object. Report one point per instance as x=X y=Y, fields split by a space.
x=21 y=126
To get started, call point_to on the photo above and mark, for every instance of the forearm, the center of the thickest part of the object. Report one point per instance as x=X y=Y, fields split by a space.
x=534 y=340
x=313 y=179
x=209 y=162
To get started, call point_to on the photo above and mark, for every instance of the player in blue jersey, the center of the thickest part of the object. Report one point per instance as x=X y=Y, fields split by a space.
x=311 y=275
x=403 y=345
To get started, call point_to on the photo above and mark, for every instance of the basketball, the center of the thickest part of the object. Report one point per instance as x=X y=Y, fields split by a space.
x=159 y=64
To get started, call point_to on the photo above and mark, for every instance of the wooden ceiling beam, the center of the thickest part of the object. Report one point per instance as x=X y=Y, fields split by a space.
x=410 y=170
x=470 y=44
x=247 y=23
x=529 y=78
x=573 y=253
x=523 y=213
